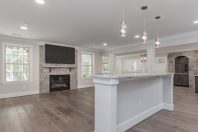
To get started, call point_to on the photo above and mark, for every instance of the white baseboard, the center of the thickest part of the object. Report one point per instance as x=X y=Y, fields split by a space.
x=142 y=116
x=169 y=107
x=86 y=86
x=137 y=119
x=17 y=94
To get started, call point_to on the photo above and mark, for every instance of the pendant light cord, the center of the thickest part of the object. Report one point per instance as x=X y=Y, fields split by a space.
x=157 y=23
x=157 y=29
x=123 y=15
x=144 y=21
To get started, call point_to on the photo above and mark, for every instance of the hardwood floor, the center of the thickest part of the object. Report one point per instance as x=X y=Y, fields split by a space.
x=183 y=119
x=56 y=112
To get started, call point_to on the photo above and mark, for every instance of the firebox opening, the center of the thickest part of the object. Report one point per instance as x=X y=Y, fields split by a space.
x=59 y=82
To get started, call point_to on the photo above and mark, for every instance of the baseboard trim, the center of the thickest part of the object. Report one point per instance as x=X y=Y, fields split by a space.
x=18 y=94
x=137 y=119
x=169 y=107
x=86 y=86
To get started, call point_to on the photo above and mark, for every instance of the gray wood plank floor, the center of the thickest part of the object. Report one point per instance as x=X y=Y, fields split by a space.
x=56 y=112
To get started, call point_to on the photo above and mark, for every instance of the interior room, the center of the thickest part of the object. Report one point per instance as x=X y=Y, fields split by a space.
x=99 y=66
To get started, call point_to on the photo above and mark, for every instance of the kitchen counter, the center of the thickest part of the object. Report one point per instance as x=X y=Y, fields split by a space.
x=132 y=75
x=123 y=100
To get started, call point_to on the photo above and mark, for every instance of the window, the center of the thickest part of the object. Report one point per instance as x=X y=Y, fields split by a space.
x=105 y=64
x=87 y=65
x=17 y=63
x=134 y=65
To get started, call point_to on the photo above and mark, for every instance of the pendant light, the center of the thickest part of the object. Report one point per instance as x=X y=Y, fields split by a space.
x=144 y=34
x=143 y=58
x=123 y=25
x=157 y=41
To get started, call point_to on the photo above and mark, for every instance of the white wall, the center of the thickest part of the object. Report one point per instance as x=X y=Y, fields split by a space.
x=20 y=89
x=121 y=62
x=176 y=40
x=32 y=87
x=84 y=82
x=162 y=52
x=97 y=60
x=176 y=43
x=154 y=63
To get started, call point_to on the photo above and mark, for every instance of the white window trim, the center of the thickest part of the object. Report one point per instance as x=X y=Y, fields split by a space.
x=4 y=44
x=93 y=61
x=108 y=64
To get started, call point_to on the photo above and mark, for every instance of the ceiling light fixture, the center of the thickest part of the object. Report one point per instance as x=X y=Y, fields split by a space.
x=41 y=2
x=123 y=25
x=105 y=44
x=195 y=22
x=157 y=41
x=144 y=34
x=143 y=58
x=24 y=27
x=137 y=36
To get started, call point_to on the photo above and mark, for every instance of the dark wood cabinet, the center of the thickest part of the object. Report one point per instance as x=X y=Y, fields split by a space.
x=181 y=79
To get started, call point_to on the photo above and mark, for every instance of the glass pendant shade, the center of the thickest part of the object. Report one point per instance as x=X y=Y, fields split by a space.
x=143 y=58
x=157 y=43
x=123 y=32
x=123 y=25
x=144 y=37
x=123 y=29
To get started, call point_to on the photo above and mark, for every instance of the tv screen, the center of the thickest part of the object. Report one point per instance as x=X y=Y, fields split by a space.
x=59 y=54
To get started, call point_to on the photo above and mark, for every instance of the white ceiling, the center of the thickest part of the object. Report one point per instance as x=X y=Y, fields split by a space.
x=89 y=23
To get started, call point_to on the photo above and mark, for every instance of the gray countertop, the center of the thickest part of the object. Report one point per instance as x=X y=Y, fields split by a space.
x=132 y=75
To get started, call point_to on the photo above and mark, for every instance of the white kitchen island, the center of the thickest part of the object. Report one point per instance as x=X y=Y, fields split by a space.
x=123 y=100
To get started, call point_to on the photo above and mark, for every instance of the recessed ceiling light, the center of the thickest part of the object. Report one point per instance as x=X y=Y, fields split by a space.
x=41 y=2
x=137 y=36
x=105 y=44
x=24 y=27
x=195 y=22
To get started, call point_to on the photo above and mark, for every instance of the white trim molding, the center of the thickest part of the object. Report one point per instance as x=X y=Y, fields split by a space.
x=138 y=118
x=142 y=116
x=4 y=44
x=18 y=94
x=86 y=86
x=169 y=107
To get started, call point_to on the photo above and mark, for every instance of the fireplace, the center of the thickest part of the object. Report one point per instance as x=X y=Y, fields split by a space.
x=59 y=82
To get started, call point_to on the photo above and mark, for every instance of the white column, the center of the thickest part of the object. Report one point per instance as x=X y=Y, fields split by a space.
x=150 y=60
x=105 y=105
x=112 y=66
x=168 y=93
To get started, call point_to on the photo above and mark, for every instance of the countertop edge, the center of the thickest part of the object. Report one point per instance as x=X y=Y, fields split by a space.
x=120 y=76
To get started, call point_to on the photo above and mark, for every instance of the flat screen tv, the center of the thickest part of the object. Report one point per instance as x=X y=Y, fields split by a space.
x=59 y=54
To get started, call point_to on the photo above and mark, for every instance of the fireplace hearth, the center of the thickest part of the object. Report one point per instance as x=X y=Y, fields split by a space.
x=59 y=82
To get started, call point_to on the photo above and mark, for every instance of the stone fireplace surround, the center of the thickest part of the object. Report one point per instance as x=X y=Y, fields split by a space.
x=55 y=69
x=193 y=64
